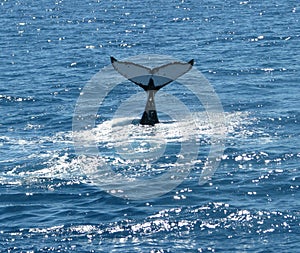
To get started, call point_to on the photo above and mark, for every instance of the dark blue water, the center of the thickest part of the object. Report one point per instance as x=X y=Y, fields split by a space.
x=250 y=53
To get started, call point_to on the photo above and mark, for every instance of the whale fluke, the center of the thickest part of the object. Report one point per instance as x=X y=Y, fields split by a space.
x=151 y=80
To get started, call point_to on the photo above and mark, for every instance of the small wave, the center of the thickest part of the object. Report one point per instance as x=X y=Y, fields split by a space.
x=8 y=98
x=183 y=226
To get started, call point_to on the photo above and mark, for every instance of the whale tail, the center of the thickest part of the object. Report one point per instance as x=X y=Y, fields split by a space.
x=151 y=80
x=150 y=115
x=149 y=118
x=161 y=76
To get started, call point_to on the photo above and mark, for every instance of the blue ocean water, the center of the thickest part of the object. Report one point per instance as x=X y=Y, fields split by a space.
x=248 y=50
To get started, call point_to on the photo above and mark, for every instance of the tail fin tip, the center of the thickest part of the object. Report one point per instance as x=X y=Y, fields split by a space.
x=113 y=59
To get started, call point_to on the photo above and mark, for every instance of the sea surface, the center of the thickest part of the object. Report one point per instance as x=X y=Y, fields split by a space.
x=249 y=51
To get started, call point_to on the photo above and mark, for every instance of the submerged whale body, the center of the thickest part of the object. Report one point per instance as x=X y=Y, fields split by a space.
x=151 y=80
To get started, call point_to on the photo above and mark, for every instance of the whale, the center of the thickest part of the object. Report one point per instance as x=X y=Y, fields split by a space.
x=151 y=80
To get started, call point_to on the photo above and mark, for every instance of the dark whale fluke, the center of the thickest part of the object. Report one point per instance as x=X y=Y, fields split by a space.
x=151 y=80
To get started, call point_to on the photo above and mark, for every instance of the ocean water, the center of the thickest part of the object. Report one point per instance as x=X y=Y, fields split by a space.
x=250 y=53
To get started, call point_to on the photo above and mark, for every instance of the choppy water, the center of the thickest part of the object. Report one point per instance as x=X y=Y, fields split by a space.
x=248 y=50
